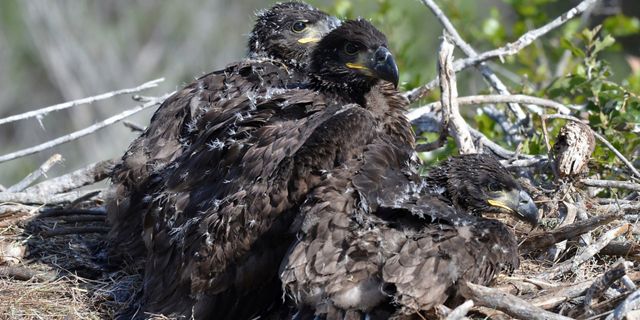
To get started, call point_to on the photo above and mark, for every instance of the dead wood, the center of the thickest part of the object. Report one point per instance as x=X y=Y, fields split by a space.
x=509 y=304
x=86 y=176
x=24 y=274
x=546 y=239
x=599 y=286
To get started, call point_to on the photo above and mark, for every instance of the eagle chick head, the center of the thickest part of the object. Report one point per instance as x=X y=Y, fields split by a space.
x=353 y=58
x=480 y=184
x=289 y=31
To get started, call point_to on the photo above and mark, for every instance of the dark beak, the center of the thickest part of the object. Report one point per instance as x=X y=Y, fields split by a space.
x=384 y=66
x=519 y=203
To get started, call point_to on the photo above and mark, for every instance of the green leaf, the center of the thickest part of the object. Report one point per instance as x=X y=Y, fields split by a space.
x=577 y=52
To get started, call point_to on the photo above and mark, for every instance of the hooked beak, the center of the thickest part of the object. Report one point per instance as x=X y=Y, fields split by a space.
x=380 y=64
x=519 y=203
x=315 y=33
x=311 y=36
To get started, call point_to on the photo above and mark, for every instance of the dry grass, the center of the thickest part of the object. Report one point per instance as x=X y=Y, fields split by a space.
x=72 y=279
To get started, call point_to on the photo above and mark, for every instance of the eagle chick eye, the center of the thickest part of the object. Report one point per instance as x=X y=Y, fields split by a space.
x=493 y=187
x=350 y=48
x=298 y=26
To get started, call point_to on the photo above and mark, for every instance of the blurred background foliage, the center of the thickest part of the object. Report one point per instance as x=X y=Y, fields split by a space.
x=54 y=51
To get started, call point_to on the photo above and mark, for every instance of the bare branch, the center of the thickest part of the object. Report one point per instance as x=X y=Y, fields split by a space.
x=24 y=274
x=81 y=133
x=133 y=126
x=611 y=184
x=560 y=295
x=586 y=253
x=44 y=111
x=24 y=197
x=508 y=49
x=632 y=302
x=547 y=239
x=460 y=311
x=486 y=72
x=33 y=176
x=600 y=285
x=89 y=175
x=509 y=304
x=429 y=123
x=449 y=94
x=491 y=99
x=628 y=250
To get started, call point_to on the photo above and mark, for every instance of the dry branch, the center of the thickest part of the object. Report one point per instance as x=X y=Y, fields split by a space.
x=44 y=111
x=491 y=99
x=509 y=304
x=600 y=285
x=27 y=197
x=460 y=311
x=486 y=72
x=632 y=302
x=628 y=250
x=81 y=133
x=560 y=295
x=449 y=94
x=134 y=127
x=24 y=274
x=33 y=176
x=586 y=253
x=89 y=175
x=546 y=239
x=611 y=184
x=508 y=49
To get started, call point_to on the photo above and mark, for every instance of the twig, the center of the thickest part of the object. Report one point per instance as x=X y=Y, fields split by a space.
x=449 y=94
x=508 y=49
x=547 y=239
x=486 y=72
x=89 y=175
x=43 y=111
x=33 y=176
x=599 y=137
x=24 y=274
x=558 y=296
x=133 y=126
x=599 y=286
x=73 y=230
x=429 y=123
x=628 y=250
x=460 y=311
x=491 y=99
x=623 y=207
x=509 y=304
x=81 y=133
x=586 y=253
x=611 y=184
x=632 y=302
x=25 y=197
